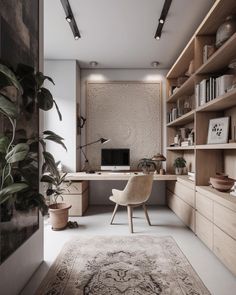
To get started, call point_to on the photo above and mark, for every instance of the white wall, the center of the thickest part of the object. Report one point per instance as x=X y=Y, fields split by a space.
x=65 y=74
x=100 y=191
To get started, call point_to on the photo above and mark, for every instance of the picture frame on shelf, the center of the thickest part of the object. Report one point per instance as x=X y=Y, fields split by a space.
x=218 y=130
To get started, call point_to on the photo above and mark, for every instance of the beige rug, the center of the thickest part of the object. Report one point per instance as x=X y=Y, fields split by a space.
x=129 y=265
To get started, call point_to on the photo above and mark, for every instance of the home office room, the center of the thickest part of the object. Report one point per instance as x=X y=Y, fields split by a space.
x=117 y=147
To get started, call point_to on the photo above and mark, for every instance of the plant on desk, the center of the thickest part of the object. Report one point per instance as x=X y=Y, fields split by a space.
x=147 y=165
x=179 y=164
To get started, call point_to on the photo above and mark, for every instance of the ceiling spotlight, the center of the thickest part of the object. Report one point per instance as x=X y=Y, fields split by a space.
x=93 y=64
x=69 y=18
x=161 y=21
x=77 y=37
x=155 y=64
x=157 y=37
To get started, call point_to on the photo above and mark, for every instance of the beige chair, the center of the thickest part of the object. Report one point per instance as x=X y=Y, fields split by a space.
x=136 y=193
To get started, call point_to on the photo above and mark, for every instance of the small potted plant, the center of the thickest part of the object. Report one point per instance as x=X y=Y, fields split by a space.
x=146 y=165
x=179 y=165
x=58 y=211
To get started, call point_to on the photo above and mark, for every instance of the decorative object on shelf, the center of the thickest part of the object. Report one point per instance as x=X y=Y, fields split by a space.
x=208 y=50
x=58 y=212
x=191 y=176
x=222 y=182
x=158 y=158
x=190 y=70
x=218 y=130
x=179 y=164
x=226 y=30
x=147 y=165
x=86 y=167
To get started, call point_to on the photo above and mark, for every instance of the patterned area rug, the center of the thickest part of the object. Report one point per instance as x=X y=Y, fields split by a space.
x=128 y=265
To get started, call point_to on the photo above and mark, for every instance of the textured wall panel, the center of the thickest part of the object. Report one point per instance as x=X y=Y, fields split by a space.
x=129 y=113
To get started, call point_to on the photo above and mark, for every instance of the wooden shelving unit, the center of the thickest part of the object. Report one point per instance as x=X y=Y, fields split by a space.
x=215 y=227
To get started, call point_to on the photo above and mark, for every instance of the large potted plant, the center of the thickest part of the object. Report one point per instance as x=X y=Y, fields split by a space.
x=179 y=165
x=18 y=153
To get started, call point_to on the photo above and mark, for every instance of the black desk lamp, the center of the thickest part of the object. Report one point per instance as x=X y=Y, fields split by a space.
x=102 y=141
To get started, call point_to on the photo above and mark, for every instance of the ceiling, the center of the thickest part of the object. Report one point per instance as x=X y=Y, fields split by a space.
x=120 y=33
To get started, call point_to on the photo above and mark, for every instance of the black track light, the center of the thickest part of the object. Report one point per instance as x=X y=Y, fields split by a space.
x=162 y=19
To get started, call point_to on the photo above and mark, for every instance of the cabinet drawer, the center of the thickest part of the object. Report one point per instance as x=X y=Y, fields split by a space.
x=78 y=202
x=225 y=219
x=204 y=230
x=75 y=187
x=185 y=193
x=205 y=206
x=225 y=248
x=181 y=209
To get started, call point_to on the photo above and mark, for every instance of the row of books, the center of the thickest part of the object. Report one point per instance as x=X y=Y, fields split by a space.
x=211 y=88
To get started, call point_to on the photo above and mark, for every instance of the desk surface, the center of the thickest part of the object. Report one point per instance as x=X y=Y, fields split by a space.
x=77 y=176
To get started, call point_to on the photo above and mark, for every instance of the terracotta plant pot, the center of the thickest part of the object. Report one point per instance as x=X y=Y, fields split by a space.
x=59 y=215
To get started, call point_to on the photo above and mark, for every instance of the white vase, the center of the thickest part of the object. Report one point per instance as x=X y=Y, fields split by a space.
x=178 y=170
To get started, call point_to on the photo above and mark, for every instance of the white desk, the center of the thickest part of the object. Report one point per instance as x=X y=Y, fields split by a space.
x=79 y=176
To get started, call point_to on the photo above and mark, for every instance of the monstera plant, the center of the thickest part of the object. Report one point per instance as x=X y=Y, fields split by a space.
x=22 y=94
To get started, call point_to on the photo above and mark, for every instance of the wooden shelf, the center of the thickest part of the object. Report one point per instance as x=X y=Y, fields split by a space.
x=220 y=146
x=220 y=103
x=185 y=119
x=186 y=89
x=182 y=63
x=224 y=199
x=180 y=148
x=221 y=58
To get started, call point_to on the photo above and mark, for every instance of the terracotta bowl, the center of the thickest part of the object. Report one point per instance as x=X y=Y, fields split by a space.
x=221 y=184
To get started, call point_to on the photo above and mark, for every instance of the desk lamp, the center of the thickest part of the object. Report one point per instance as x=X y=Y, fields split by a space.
x=86 y=165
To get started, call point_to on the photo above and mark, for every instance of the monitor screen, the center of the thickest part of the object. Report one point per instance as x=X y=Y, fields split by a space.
x=115 y=157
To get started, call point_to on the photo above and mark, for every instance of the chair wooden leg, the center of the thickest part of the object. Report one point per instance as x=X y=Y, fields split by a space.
x=114 y=213
x=130 y=215
x=146 y=214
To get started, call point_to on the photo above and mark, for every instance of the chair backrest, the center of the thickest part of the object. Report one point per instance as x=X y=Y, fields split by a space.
x=138 y=189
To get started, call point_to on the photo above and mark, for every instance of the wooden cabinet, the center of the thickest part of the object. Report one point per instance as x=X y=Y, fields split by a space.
x=204 y=230
x=183 y=192
x=225 y=249
x=204 y=206
x=76 y=194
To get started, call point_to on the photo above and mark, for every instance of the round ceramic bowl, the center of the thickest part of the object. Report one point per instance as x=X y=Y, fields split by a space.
x=222 y=185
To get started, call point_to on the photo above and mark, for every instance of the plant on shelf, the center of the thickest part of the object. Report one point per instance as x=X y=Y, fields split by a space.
x=179 y=164
x=147 y=165
x=21 y=96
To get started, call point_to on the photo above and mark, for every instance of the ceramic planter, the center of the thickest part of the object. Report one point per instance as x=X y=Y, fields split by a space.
x=59 y=215
x=178 y=170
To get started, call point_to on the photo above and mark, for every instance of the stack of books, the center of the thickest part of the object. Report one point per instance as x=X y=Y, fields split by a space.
x=185 y=143
x=191 y=176
x=211 y=88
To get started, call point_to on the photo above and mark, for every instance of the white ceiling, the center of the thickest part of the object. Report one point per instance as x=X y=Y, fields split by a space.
x=120 y=33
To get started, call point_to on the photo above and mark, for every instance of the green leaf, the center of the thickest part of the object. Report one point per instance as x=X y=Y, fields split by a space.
x=6 y=192
x=18 y=153
x=4 y=143
x=45 y=99
x=7 y=107
x=11 y=77
x=48 y=179
x=58 y=111
x=51 y=164
x=40 y=78
x=56 y=139
x=49 y=132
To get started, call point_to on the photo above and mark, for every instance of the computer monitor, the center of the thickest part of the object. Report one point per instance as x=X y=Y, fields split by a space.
x=115 y=159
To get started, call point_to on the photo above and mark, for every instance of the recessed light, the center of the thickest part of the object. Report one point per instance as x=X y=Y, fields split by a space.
x=69 y=18
x=155 y=64
x=93 y=64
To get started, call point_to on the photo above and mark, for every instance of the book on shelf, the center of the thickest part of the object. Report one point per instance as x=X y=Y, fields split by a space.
x=209 y=89
x=185 y=143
